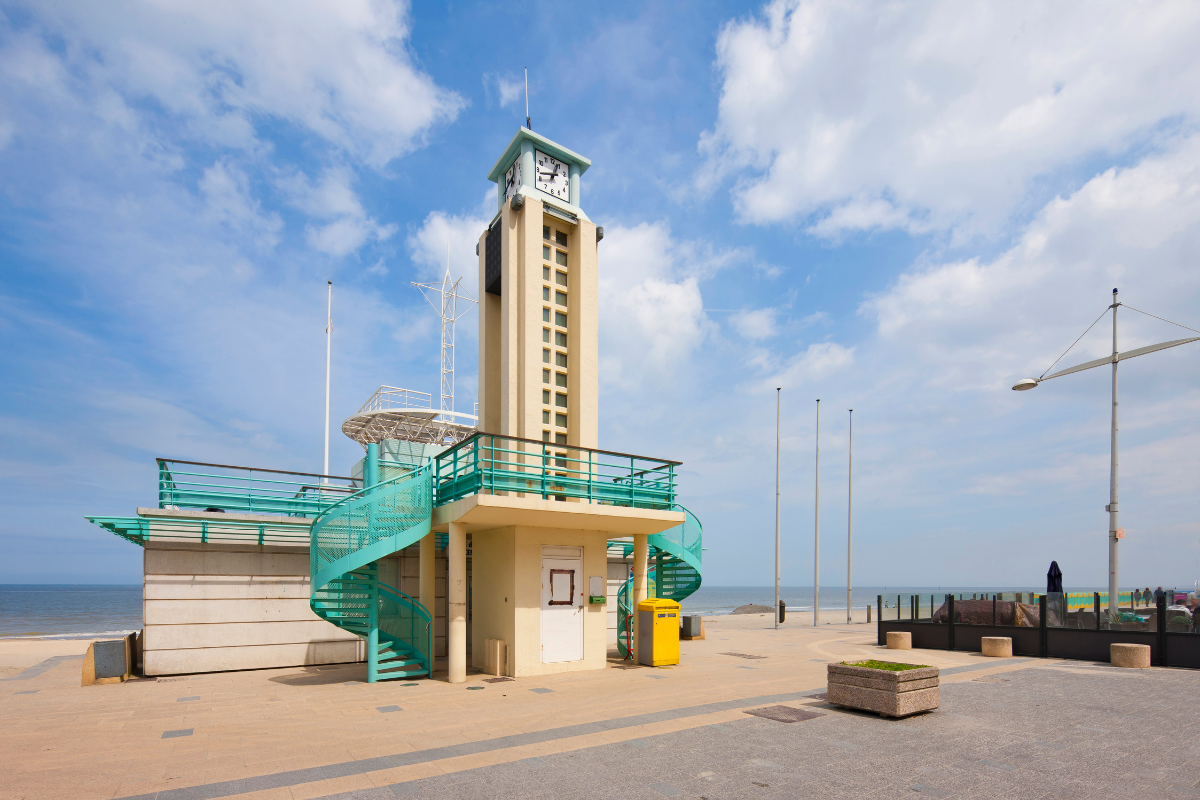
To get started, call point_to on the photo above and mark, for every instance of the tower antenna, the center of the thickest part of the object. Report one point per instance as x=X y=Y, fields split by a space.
x=449 y=292
x=528 y=124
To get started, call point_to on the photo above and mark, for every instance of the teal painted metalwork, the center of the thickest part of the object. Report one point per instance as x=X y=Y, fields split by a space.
x=487 y=463
x=346 y=541
x=140 y=530
x=246 y=489
x=676 y=575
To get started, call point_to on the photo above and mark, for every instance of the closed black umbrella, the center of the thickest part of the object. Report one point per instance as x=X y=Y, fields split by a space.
x=1054 y=578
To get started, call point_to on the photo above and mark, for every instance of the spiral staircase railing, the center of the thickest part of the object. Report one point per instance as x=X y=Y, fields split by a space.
x=675 y=574
x=347 y=539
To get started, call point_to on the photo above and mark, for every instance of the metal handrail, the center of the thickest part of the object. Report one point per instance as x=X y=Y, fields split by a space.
x=140 y=530
x=493 y=463
x=245 y=491
x=552 y=444
x=253 y=469
x=419 y=611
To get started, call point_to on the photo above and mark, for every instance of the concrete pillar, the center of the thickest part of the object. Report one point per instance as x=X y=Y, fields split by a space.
x=427 y=582
x=641 y=552
x=456 y=606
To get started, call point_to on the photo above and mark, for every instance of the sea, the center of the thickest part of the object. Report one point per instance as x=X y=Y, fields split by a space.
x=47 y=611
x=86 y=612
x=715 y=600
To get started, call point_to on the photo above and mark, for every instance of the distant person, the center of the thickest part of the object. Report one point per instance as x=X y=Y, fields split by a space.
x=1193 y=607
x=1137 y=596
x=1159 y=593
x=1146 y=594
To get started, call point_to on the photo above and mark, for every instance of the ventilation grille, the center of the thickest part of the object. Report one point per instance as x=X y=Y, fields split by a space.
x=491 y=260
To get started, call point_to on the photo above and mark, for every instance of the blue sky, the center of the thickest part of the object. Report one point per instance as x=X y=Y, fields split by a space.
x=900 y=208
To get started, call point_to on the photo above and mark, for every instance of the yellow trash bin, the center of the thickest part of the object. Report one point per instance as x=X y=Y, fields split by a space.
x=658 y=632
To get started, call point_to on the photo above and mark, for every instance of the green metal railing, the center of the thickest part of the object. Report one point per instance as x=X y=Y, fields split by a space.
x=674 y=572
x=489 y=464
x=140 y=530
x=346 y=541
x=370 y=524
x=193 y=484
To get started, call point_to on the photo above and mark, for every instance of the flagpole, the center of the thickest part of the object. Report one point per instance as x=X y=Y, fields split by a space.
x=778 y=390
x=817 y=528
x=850 y=526
x=328 y=348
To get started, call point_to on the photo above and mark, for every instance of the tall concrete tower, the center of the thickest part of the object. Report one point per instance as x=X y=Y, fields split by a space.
x=538 y=316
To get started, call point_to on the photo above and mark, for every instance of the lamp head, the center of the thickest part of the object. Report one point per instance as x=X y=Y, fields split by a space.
x=1024 y=385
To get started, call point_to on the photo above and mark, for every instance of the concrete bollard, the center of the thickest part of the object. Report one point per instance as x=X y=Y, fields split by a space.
x=899 y=640
x=1134 y=656
x=997 y=646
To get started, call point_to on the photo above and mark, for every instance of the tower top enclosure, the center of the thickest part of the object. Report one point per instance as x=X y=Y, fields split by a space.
x=534 y=164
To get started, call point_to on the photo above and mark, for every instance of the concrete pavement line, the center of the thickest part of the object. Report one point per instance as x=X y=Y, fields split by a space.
x=211 y=791
x=38 y=669
x=1000 y=662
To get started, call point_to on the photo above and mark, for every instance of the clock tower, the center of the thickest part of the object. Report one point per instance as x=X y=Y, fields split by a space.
x=538 y=315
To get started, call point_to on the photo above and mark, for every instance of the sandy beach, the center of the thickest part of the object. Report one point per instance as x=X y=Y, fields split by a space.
x=21 y=654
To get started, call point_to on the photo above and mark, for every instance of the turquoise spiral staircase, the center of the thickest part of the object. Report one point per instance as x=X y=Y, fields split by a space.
x=674 y=574
x=347 y=539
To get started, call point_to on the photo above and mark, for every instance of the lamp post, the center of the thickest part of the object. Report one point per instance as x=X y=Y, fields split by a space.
x=1028 y=383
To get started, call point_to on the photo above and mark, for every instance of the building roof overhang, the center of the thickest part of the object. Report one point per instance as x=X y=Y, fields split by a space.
x=541 y=143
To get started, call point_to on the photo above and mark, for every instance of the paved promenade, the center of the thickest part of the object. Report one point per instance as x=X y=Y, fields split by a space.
x=1011 y=728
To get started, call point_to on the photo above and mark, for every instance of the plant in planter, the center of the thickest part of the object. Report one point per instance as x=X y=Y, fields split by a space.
x=1179 y=623
x=887 y=688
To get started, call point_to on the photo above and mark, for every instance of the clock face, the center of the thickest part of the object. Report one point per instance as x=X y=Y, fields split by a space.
x=552 y=176
x=512 y=179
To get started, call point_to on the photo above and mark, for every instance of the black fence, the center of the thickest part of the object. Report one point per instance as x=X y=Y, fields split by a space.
x=1044 y=628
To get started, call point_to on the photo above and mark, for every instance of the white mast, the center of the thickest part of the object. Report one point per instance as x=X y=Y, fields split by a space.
x=817 y=529
x=850 y=525
x=328 y=348
x=447 y=307
x=778 y=390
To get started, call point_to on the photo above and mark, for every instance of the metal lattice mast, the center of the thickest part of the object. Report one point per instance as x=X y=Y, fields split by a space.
x=449 y=292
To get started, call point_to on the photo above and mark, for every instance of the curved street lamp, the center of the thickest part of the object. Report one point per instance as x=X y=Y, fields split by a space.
x=1026 y=384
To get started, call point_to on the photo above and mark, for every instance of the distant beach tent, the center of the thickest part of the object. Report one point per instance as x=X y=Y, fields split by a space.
x=1054 y=578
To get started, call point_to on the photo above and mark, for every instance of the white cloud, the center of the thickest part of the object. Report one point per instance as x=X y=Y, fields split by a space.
x=442 y=234
x=346 y=226
x=758 y=323
x=934 y=116
x=814 y=364
x=228 y=199
x=342 y=72
x=509 y=90
x=652 y=315
x=981 y=324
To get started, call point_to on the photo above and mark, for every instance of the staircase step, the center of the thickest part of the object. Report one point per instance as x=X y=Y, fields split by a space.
x=420 y=673
x=399 y=662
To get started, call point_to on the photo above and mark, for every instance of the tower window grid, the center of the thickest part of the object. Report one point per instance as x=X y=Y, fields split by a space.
x=559 y=289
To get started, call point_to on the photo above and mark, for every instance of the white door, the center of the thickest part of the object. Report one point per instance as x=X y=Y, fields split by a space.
x=562 y=609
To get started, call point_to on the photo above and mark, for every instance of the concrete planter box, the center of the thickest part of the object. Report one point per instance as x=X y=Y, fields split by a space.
x=891 y=694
